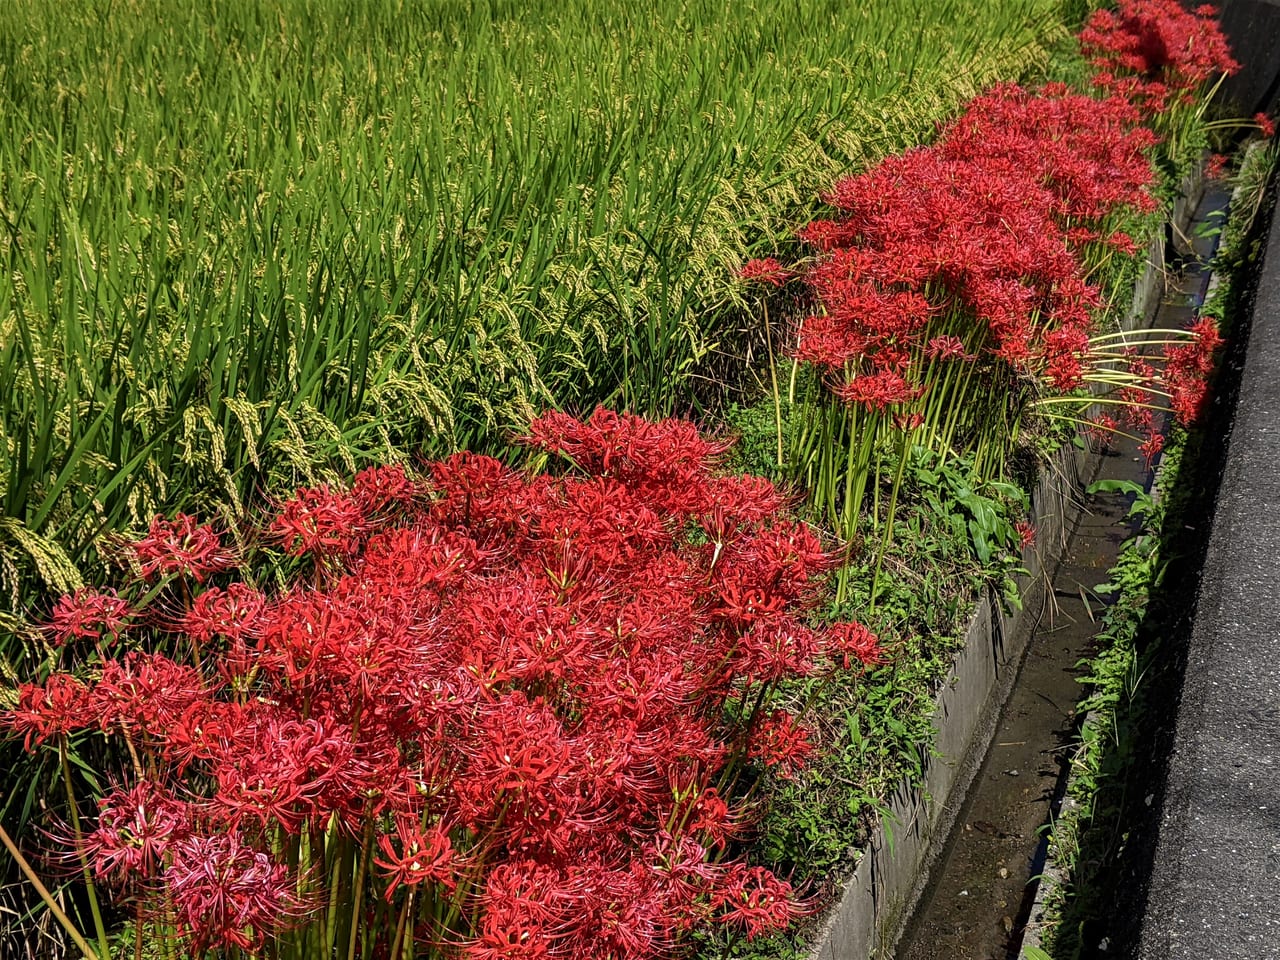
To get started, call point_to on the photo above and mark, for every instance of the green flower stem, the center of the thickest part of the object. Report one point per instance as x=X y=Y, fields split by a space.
x=98 y=925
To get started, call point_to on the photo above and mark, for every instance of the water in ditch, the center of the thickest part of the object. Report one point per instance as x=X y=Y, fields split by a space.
x=982 y=886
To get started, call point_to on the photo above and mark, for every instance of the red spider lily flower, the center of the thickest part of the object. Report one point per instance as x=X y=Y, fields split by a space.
x=631 y=912
x=1122 y=242
x=742 y=605
x=226 y=893
x=782 y=561
x=755 y=899
x=714 y=820
x=1102 y=428
x=511 y=938
x=1150 y=448
x=947 y=348
x=829 y=342
x=88 y=615
x=747 y=498
x=319 y=521
x=765 y=271
x=233 y=613
x=278 y=770
x=1187 y=370
x=202 y=731
x=145 y=691
x=378 y=488
x=524 y=906
x=774 y=648
x=1026 y=533
x=484 y=495
x=1216 y=168
x=523 y=761
x=425 y=855
x=181 y=546
x=1266 y=126
x=780 y=743
x=877 y=391
x=665 y=461
x=136 y=827
x=421 y=556
x=673 y=891
x=1062 y=359
x=849 y=642
x=57 y=707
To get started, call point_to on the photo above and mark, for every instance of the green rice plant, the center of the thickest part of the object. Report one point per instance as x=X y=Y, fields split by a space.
x=248 y=242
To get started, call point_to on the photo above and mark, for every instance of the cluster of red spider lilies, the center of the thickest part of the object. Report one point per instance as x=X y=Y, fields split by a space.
x=504 y=714
x=955 y=285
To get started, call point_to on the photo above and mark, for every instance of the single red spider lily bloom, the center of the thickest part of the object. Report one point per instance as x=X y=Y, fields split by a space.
x=233 y=613
x=775 y=648
x=752 y=897
x=378 y=488
x=226 y=893
x=779 y=742
x=1102 y=428
x=1122 y=242
x=424 y=855
x=135 y=829
x=1208 y=339
x=742 y=605
x=849 y=642
x=319 y=521
x=1081 y=236
x=524 y=905
x=1216 y=168
x=510 y=938
x=146 y=689
x=878 y=391
x=714 y=819
x=627 y=447
x=947 y=348
x=1151 y=447
x=765 y=271
x=1266 y=126
x=59 y=706
x=88 y=615
x=1026 y=533
x=181 y=546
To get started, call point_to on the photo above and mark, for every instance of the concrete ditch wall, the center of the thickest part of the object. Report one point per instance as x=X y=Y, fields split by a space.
x=891 y=876
x=893 y=872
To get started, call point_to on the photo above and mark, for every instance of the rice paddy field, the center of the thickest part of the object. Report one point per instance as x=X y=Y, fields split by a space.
x=256 y=243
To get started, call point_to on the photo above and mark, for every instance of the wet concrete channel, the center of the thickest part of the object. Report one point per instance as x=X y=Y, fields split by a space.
x=982 y=886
